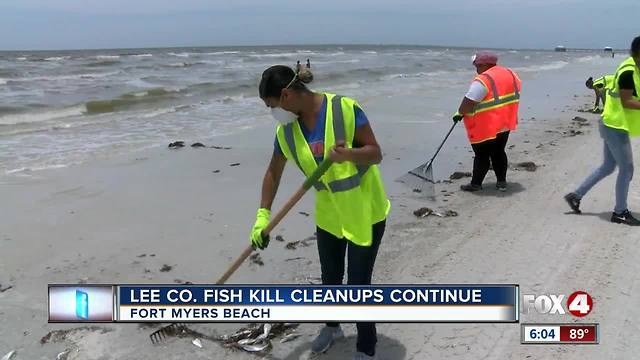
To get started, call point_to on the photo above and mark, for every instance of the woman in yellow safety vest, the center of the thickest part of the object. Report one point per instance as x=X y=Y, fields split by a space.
x=620 y=120
x=598 y=86
x=351 y=204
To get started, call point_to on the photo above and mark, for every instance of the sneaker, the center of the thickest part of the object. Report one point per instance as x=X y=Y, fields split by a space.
x=327 y=336
x=574 y=202
x=501 y=186
x=470 y=187
x=625 y=218
x=362 y=356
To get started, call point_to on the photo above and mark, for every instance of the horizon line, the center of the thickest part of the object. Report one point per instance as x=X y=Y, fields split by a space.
x=307 y=45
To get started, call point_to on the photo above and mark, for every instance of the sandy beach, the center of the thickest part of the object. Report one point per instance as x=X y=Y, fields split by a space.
x=170 y=216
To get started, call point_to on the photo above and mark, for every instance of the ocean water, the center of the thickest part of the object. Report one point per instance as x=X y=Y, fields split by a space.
x=60 y=108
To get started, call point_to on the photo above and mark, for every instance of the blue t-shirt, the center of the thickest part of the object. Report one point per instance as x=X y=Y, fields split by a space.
x=315 y=138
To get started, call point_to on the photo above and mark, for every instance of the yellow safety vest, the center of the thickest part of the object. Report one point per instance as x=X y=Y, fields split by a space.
x=615 y=115
x=350 y=198
x=605 y=81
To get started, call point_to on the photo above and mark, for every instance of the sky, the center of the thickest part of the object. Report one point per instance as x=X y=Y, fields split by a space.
x=85 y=24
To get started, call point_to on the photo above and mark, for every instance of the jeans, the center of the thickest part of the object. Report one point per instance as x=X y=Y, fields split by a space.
x=617 y=152
x=360 y=268
x=487 y=153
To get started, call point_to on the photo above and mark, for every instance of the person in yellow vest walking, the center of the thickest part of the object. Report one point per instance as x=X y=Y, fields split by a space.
x=620 y=121
x=490 y=112
x=351 y=204
x=598 y=86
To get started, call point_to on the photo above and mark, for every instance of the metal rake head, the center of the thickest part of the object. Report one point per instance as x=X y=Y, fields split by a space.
x=165 y=332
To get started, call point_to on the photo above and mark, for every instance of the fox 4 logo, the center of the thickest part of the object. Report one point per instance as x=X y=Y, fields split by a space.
x=578 y=304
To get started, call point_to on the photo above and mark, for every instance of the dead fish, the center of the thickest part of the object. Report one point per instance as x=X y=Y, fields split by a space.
x=459 y=175
x=255 y=348
x=423 y=212
x=176 y=144
x=450 y=213
x=266 y=329
x=10 y=355
x=234 y=164
x=289 y=337
x=63 y=355
x=292 y=245
x=197 y=343
x=256 y=259
x=527 y=165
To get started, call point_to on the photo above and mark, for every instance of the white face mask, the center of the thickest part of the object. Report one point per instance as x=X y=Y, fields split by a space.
x=283 y=116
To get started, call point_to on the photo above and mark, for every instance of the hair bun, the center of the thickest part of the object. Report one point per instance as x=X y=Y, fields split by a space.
x=305 y=75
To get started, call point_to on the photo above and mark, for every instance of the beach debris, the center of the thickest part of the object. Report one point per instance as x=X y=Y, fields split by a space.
x=292 y=245
x=220 y=147
x=527 y=165
x=417 y=191
x=166 y=268
x=279 y=238
x=459 y=175
x=10 y=355
x=580 y=121
x=215 y=171
x=449 y=213
x=142 y=255
x=152 y=255
x=5 y=288
x=64 y=355
x=197 y=145
x=572 y=133
x=180 y=281
x=176 y=145
x=257 y=337
x=234 y=164
x=256 y=259
x=252 y=338
x=303 y=213
x=425 y=211
x=313 y=280
x=57 y=336
x=295 y=258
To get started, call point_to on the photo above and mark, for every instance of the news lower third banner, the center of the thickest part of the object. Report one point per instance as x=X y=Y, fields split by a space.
x=287 y=303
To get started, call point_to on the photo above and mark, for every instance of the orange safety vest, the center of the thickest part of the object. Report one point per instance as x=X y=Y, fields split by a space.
x=498 y=111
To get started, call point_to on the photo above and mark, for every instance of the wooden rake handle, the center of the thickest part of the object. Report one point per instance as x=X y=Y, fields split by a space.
x=322 y=168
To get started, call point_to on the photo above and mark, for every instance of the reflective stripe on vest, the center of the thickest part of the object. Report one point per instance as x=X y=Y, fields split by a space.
x=497 y=100
x=288 y=136
x=339 y=134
